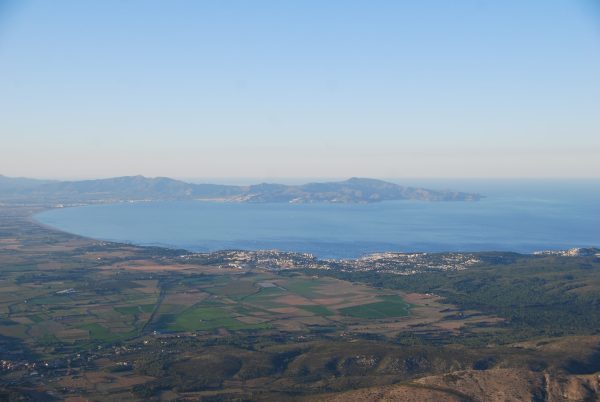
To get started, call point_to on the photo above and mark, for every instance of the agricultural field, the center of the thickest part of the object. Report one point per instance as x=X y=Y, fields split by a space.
x=52 y=305
x=73 y=293
x=90 y=320
x=252 y=301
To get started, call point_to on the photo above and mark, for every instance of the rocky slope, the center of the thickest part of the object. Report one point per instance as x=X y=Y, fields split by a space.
x=482 y=386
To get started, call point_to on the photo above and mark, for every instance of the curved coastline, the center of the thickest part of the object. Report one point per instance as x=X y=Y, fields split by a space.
x=33 y=219
x=294 y=245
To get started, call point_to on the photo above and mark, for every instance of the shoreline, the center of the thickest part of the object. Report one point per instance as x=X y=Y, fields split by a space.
x=31 y=217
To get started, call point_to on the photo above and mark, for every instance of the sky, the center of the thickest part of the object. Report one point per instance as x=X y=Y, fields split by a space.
x=300 y=88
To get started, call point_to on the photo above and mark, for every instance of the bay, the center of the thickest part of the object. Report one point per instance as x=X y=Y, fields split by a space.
x=520 y=216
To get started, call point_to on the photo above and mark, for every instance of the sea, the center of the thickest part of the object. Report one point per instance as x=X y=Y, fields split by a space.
x=515 y=215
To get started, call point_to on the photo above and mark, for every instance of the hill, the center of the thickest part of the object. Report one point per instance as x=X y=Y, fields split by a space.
x=19 y=183
x=354 y=190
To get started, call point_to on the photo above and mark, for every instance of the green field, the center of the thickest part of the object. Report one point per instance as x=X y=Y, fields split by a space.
x=144 y=308
x=391 y=306
x=317 y=310
x=209 y=318
x=99 y=332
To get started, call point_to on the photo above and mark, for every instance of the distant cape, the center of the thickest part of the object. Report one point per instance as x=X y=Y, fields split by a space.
x=138 y=188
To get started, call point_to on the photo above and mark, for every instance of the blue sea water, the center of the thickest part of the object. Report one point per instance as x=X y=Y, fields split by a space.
x=522 y=216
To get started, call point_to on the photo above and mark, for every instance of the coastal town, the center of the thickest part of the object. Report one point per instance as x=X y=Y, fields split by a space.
x=387 y=262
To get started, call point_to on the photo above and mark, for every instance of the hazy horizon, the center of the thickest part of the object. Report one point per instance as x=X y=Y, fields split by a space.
x=300 y=89
x=243 y=180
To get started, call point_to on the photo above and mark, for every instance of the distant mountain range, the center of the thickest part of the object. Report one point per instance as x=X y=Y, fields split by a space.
x=354 y=190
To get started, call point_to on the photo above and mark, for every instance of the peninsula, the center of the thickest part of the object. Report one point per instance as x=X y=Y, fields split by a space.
x=132 y=188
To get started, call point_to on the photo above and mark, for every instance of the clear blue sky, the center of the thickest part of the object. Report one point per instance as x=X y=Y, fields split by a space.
x=423 y=88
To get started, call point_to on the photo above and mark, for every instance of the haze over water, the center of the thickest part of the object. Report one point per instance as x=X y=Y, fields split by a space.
x=522 y=216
